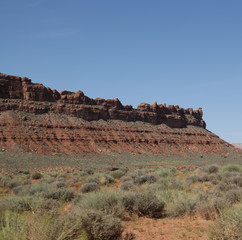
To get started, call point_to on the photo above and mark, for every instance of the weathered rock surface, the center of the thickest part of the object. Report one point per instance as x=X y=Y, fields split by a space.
x=34 y=118
x=23 y=95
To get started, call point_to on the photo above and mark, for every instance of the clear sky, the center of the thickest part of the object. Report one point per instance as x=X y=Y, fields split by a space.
x=182 y=52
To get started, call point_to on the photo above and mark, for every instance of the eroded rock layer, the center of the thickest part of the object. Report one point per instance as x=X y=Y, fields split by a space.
x=23 y=95
x=34 y=118
x=58 y=133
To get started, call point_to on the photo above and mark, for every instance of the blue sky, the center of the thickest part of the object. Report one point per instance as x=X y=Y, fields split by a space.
x=187 y=53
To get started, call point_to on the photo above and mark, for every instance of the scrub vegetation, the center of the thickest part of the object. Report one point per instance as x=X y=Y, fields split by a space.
x=97 y=205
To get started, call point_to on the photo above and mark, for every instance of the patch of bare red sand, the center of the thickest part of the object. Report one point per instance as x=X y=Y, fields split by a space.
x=187 y=227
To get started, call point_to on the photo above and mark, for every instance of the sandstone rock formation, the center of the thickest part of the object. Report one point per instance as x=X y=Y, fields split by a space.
x=25 y=94
x=34 y=118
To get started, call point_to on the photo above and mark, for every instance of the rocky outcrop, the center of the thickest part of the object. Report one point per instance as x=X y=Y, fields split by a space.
x=34 y=118
x=21 y=94
x=61 y=133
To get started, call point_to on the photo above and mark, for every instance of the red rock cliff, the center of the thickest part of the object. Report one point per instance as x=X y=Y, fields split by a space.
x=21 y=94
x=34 y=118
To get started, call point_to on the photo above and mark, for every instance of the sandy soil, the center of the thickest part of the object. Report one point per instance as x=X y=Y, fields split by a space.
x=187 y=227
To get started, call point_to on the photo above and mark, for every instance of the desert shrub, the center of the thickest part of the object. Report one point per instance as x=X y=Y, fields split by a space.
x=36 y=175
x=12 y=226
x=126 y=178
x=21 y=190
x=88 y=171
x=60 y=183
x=39 y=187
x=166 y=171
x=147 y=204
x=232 y=168
x=45 y=206
x=193 y=178
x=100 y=226
x=222 y=187
x=46 y=179
x=205 y=178
x=26 y=182
x=176 y=184
x=228 y=226
x=89 y=187
x=137 y=173
x=83 y=173
x=141 y=179
x=233 y=196
x=61 y=227
x=126 y=186
x=5 y=180
x=62 y=194
x=70 y=183
x=163 y=184
x=183 y=204
x=119 y=173
x=15 y=204
x=100 y=178
x=236 y=180
x=210 y=209
x=211 y=169
x=107 y=201
x=53 y=174
x=13 y=183
x=106 y=179
x=62 y=176
x=210 y=178
x=128 y=201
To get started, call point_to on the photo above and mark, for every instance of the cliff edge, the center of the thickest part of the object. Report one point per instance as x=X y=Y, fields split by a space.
x=79 y=105
x=34 y=118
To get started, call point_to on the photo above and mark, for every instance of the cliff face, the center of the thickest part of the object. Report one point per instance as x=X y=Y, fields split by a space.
x=39 y=119
x=79 y=105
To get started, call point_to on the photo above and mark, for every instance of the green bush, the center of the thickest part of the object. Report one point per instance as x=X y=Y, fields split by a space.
x=45 y=206
x=126 y=186
x=222 y=187
x=107 y=201
x=211 y=169
x=36 y=175
x=100 y=178
x=128 y=201
x=21 y=190
x=16 y=204
x=89 y=187
x=147 y=204
x=233 y=196
x=150 y=178
x=39 y=188
x=100 y=226
x=232 y=168
x=13 y=183
x=228 y=226
x=166 y=171
x=182 y=204
x=118 y=173
x=62 y=194
x=193 y=178
x=5 y=180
x=236 y=180
x=12 y=226
x=211 y=208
